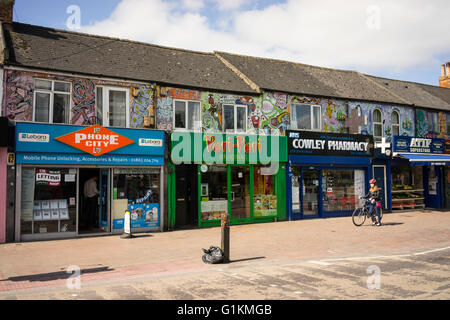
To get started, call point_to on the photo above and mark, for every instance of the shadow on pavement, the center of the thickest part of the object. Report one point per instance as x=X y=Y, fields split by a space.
x=52 y=276
x=390 y=223
x=247 y=259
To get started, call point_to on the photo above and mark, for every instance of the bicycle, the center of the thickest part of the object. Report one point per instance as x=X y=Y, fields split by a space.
x=360 y=215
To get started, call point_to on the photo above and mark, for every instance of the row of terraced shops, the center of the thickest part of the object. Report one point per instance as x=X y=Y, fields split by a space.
x=78 y=149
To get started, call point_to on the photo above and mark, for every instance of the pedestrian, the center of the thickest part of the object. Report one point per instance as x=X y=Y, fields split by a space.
x=374 y=197
x=91 y=195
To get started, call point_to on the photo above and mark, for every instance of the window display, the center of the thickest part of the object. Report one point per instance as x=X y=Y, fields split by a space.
x=136 y=189
x=342 y=189
x=407 y=187
x=265 y=198
x=46 y=204
x=214 y=198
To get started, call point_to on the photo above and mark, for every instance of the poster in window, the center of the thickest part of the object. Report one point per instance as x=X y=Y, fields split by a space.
x=27 y=203
x=359 y=186
x=432 y=186
x=48 y=178
x=37 y=215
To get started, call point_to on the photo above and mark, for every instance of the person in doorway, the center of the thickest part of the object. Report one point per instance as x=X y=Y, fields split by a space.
x=91 y=195
x=374 y=197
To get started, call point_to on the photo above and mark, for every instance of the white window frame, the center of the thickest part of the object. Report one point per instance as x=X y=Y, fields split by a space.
x=311 y=116
x=395 y=124
x=235 y=108
x=377 y=123
x=198 y=126
x=105 y=104
x=52 y=92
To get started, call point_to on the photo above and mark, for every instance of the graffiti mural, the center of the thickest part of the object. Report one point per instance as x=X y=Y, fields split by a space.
x=442 y=125
x=83 y=111
x=333 y=115
x=273 y=116
x=427 y=124
x=212 y=104
x=333 y=112
x=19 y=95
x=140 y=107
x=405 y=125
x=164 y=104
x=18 y=101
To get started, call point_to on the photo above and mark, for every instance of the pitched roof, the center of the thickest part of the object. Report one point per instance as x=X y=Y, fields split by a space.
x=284 y=76
x=419 y=94
x=51 y=49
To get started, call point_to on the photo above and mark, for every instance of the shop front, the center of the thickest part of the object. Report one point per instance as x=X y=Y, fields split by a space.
x=326 y=173
x=75 y=181
x=417 y=173
x=213 y=176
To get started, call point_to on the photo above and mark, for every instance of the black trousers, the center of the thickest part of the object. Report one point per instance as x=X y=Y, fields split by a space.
x=92 y=211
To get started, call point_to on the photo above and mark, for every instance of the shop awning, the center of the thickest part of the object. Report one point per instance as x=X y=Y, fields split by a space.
x=427 y=159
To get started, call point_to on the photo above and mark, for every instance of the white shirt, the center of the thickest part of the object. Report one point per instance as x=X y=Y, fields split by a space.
x=90 y=188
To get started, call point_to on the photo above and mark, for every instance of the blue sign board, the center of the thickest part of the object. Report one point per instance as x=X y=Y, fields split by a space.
x=145 y=215
x=36 y=144
x=418 y=145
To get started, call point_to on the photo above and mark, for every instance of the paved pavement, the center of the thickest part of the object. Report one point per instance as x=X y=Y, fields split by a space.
x=309 y=259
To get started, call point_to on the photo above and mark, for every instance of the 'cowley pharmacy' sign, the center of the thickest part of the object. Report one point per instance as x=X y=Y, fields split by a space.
x=335 y=144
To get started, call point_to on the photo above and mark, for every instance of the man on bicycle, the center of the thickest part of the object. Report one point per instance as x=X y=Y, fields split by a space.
x=374 y=197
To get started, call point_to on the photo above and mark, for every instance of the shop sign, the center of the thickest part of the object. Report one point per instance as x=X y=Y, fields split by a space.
x=329 y=144
x=418 y=145
x=188 y=147
x=95 y=140
x=38 y=143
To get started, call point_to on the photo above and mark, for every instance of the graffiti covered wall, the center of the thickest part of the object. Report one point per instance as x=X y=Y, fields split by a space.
x=18 y=100
x=432 y=124
x=333 y=112
x=211 y=109
x=406 y=123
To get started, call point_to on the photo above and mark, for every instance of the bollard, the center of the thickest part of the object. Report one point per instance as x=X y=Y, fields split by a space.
x=127 y=226
x=225 y=228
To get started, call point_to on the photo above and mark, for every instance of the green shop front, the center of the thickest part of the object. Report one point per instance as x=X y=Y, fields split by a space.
x=215 y=175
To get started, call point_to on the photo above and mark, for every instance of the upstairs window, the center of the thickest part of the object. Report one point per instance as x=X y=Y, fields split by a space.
x=187 y=115
x=395 y=123
x=51 y=101
x=377 y=125
x=306 y=117
x=113 y=107
x=234 y=118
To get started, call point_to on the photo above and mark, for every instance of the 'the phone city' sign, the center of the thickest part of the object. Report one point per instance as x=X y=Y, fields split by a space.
x=95 y=140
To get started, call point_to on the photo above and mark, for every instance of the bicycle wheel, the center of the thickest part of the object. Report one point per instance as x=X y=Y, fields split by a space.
x=359 y=217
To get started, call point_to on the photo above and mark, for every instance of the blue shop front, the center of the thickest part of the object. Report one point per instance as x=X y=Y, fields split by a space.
x=76 y=181
x=418 y=173
x=326 y=173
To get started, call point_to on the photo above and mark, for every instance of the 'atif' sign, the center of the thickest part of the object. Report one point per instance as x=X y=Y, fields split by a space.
x=330 y=144
x=95 y=140
x=418 y=145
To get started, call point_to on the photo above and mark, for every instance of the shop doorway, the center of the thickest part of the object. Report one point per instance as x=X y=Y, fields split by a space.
x=94 y=201
x=310 y=205
x=240 y=192
x=186 y=196
x=379 y=173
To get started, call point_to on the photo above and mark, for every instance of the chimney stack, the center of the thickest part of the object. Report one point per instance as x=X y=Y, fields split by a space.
x=6 y=10
x=444 y=79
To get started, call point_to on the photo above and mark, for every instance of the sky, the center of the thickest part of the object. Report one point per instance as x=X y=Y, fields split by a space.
x=402 y=39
